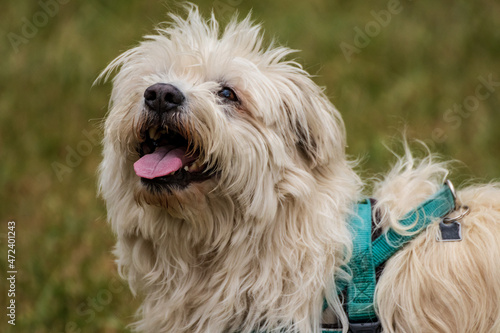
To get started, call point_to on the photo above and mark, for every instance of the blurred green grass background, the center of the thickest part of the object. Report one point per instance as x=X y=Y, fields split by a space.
x=427 y=58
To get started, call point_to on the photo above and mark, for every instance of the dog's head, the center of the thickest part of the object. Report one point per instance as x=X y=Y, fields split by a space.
x=198 y=113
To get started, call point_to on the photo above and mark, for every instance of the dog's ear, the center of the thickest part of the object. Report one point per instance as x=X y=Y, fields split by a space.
x=318 y=127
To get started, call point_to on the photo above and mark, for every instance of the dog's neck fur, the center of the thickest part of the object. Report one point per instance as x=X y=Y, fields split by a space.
x=219 y=268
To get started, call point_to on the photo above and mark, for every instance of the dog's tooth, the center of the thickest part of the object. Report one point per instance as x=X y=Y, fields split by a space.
x=195 y=166
x=152 y=133
x=186 y=168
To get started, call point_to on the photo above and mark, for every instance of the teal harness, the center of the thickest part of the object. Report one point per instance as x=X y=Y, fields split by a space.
x=367 y=255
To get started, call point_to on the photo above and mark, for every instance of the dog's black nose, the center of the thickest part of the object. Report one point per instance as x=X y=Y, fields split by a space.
x=163 y=97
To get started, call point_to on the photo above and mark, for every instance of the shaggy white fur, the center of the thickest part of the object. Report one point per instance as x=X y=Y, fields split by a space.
x=256 y=244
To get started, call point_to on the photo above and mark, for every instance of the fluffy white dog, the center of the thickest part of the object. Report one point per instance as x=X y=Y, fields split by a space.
x=228 y=187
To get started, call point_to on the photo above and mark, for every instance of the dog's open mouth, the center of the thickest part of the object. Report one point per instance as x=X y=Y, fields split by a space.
x=168 y=160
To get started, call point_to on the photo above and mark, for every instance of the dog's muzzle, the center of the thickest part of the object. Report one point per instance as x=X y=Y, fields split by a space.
x=168 y=156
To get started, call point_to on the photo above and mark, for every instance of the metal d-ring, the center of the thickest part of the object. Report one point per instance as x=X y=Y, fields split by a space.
x=453 y=192
x=459 y=217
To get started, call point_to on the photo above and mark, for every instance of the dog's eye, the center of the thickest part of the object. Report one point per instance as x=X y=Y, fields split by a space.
x=228 y=93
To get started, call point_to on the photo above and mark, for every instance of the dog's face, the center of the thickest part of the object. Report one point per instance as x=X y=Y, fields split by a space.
x=195 y=113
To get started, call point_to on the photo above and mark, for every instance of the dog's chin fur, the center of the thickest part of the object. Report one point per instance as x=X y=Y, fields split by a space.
x=258 y=244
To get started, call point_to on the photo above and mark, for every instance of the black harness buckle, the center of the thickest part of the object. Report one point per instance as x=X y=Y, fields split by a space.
x=365 y=327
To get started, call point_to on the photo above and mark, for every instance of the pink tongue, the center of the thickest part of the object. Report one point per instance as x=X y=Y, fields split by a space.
x=161 y=162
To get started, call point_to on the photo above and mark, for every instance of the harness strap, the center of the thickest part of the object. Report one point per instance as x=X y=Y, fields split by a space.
x=437 y=206
x=361 y=289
